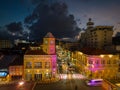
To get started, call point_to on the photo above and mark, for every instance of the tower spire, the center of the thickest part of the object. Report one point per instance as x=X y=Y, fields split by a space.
x=90 y=24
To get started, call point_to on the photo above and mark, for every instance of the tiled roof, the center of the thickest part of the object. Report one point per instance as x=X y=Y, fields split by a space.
x=6 y=60
x=49 y=35
x=35 y=52
x=17 y=61
x=93 y=51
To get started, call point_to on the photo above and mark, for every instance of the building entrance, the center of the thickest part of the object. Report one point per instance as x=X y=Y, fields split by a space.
x=38 y=77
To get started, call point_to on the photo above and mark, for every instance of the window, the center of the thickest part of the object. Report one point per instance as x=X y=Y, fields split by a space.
x=108 y=62
x=38 y=65
x=97 y=62
x=103 y=62
x=47 y=64
x=28 y=64
x=47 y=75
x=114 y=61
x=51 y=50
x=90 y=62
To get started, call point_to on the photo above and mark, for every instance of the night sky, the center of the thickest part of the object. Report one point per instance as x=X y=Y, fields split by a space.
x=19 y=13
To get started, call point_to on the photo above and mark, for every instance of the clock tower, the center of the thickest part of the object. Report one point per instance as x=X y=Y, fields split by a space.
x=49 y=43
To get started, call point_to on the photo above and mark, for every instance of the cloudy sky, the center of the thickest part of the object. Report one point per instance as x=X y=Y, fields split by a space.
x=102 y=12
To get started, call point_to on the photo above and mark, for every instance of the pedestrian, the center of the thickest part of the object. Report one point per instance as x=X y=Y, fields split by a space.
x=76 y=88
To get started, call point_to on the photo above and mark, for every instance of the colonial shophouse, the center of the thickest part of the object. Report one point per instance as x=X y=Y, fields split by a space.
x=97 y=66
x=40 y=61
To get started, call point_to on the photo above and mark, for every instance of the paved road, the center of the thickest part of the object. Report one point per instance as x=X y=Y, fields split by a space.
x=15 y=86
x=66 y=84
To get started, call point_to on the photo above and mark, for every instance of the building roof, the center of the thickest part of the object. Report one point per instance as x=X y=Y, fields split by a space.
x=93 y=51
x=17 y=61
x=5 y=60
x=35 y=52
x=90 y=22
x=49 y=35
x=103 y=26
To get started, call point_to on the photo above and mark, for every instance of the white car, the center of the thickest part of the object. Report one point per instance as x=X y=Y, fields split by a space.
x=94 y=82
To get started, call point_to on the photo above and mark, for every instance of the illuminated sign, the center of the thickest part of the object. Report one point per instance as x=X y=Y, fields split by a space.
x=3 y=74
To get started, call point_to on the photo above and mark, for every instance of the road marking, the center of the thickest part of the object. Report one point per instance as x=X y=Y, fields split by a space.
x=71 y=76
x=34 y=86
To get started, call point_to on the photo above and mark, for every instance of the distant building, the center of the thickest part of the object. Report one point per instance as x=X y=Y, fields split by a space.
x=5 y=61
x=72 y=46
x=97 y=36
x=40 y=61
x=116 y=39
x=16 y=68
x=5 y=44
x=18 y=41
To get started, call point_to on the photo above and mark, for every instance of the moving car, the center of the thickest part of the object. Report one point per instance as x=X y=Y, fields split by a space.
x=94 y=82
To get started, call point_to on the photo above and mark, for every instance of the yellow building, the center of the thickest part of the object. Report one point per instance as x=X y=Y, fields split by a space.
x=40 y=62
x=97 y=66
x=97 y=36
x=80 y=61
x=102 y=66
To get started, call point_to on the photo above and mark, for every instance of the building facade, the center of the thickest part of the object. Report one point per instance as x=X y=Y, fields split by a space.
x=97 y=36
x=40 y=62
x=104 y=66
x=16 y=72
x=5 y=44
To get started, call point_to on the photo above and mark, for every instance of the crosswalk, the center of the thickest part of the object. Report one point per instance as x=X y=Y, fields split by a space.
x=71 y=76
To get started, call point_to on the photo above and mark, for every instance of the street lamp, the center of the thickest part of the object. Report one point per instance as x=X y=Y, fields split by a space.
x=21 y=83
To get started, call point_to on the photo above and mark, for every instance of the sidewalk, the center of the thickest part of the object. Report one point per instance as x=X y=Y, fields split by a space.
x=8 y=82
x=48 y=81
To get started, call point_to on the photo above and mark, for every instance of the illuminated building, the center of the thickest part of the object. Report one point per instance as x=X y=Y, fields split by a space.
x=80 y=60
x=104 y=66
x=16 y=72
x=5 y=61
x=97 y=66
x=16 y=68
x=97 y=36
x=5 y=44
x=40 y=61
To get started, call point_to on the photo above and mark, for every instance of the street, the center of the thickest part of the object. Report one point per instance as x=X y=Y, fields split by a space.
x=16 y=86
x=67 y=84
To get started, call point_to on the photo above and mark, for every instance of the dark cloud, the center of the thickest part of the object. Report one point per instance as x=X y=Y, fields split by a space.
x=15 y=27
x=12 y=31
x=51 y=18
x=15 y=30
x=4 y=34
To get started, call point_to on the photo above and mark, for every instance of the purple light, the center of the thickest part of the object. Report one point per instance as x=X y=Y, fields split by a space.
x=54 y=69
x=94 y=63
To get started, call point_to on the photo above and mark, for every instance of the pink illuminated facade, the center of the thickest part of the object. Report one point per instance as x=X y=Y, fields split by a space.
x=40 y=62
x=102 y=66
